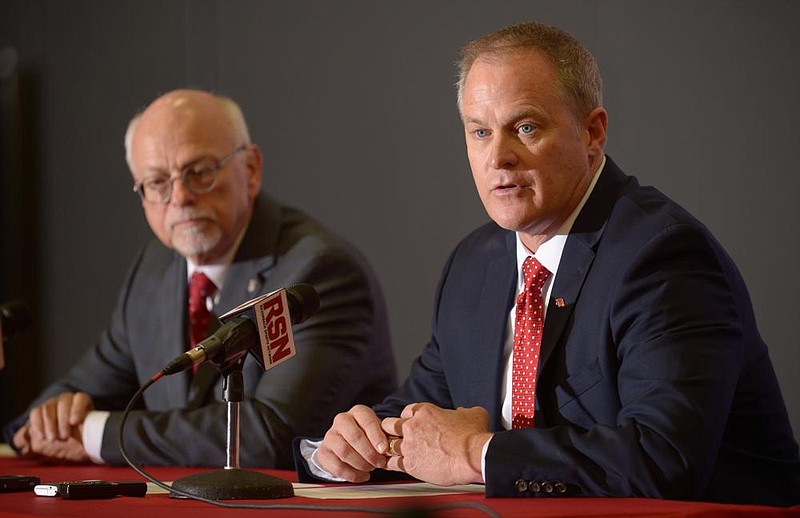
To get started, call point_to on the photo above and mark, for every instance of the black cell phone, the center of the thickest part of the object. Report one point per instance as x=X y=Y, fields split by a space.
x=9 y=483
x=91 y=489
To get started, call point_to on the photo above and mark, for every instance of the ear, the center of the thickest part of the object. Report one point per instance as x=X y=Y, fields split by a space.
x=255 y=160
x=595 y=126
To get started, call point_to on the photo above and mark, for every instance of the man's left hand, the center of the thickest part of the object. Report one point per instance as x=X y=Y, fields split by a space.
x=56 y=451
x=440 y=446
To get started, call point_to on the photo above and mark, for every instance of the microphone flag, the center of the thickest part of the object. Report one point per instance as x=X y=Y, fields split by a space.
x=273 y=320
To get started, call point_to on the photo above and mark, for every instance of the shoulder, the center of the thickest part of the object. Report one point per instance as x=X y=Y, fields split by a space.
x=622 y=209
x=280 y=231
x=292 y=246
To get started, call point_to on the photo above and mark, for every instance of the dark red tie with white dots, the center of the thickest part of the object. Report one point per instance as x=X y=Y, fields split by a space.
x=528 y=325
x=200 y=288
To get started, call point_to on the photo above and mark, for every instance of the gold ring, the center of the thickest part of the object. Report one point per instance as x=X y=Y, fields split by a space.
x=392 y=450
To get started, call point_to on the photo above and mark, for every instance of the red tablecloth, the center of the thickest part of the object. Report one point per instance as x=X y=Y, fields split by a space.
x=162 y=506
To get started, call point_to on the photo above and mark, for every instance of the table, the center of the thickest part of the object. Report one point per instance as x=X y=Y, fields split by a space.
x=162 y=506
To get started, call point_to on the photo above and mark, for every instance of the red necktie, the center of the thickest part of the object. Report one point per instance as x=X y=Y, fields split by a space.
x=528 y=325
x=200 y=288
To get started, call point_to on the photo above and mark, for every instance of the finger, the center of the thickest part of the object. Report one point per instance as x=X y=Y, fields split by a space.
x=49 y=410
x=395 y=445
x=21 y=439
x=369 y=423
x=348 y=440
x=82 y=404
x=335 y=449
x=393 y=426
x=331 y=462
x=396 y=464
x=36 y=423
x=63 y=409
x=409 y=411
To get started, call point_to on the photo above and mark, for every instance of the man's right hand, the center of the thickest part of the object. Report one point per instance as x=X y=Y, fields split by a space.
x=354 y=446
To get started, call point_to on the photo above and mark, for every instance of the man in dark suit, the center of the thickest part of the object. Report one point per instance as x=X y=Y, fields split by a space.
x=199 y=177
x=651 y=378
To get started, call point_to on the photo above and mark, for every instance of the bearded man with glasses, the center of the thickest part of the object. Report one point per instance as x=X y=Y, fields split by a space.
x=199 y=179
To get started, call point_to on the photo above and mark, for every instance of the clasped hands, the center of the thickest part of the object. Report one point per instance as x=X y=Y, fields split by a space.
x=54 y=429
x=428 y=442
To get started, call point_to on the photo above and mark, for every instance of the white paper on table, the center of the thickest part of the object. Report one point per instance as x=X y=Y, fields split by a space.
x=383 y=490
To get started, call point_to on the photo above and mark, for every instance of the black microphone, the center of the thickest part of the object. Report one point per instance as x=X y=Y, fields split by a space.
x=15 y=317
x=260 y=321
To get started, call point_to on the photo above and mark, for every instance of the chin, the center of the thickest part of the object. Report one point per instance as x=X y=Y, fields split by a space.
x=511 y=221
x=196 y=244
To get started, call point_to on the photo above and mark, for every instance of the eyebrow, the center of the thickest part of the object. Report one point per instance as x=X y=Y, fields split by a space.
x=531 y=112
x=157 y=170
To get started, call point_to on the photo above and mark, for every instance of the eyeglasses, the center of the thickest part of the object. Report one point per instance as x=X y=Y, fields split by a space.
x=199 y=178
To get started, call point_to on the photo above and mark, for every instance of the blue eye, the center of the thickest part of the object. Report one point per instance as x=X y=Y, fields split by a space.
x=481 y=133
x=525 y=129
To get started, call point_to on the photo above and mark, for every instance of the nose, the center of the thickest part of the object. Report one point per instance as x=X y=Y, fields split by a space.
x=180 y=195
x=502 y=154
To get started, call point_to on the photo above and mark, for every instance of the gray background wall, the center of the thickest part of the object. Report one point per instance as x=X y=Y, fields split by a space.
x=353 y=105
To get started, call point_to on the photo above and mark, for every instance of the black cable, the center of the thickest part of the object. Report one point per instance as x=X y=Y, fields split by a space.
x=421 y=511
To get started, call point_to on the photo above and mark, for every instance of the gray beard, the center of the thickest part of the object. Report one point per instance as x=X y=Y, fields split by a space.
x=195 y=242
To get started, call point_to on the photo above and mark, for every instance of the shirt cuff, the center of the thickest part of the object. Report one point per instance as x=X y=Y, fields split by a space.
x=93 y=427
x=308 y=449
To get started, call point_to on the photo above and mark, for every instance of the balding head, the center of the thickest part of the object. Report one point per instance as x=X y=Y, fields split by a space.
x=192 y=103
x=184 y=132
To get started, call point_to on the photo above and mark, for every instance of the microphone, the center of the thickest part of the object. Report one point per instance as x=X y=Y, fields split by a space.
x=264 y=321
x=15 y=317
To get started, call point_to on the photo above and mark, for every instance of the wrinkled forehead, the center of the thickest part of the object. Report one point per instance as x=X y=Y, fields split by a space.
x=169 y=130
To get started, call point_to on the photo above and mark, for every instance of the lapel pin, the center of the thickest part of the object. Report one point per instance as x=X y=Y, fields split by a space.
x=252 y=286
x=560 y=302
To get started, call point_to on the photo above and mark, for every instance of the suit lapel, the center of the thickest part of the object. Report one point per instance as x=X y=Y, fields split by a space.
x=174 y=338
x=575 y=263
x=578 y=255
x=256 y=255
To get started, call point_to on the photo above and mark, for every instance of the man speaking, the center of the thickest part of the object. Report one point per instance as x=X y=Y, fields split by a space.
x=594 y=339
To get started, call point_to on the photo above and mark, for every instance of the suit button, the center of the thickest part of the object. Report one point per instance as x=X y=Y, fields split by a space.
x=560 y=487
x=547 y=487
x=521 y=485
x=535 y=486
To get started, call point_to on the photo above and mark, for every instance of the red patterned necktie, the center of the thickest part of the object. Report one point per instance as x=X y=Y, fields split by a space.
x=528 y=325
x=200 y=288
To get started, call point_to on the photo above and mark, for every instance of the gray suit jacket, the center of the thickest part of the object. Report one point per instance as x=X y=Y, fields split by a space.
x=343 y=356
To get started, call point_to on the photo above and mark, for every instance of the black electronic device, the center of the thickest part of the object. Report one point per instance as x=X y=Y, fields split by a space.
x=91 y=489
x=10 y=483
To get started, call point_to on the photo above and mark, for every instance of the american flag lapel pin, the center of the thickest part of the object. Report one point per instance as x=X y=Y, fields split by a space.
x=560 y=302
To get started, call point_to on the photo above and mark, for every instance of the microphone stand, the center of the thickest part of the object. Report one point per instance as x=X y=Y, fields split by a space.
x=232 y=482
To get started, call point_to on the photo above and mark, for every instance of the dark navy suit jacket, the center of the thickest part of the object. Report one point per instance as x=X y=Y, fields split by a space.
x=654 y=380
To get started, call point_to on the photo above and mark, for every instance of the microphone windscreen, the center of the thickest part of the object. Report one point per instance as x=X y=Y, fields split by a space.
x=303 y=302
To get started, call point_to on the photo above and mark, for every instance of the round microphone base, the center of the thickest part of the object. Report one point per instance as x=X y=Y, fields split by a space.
x=234 y=484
